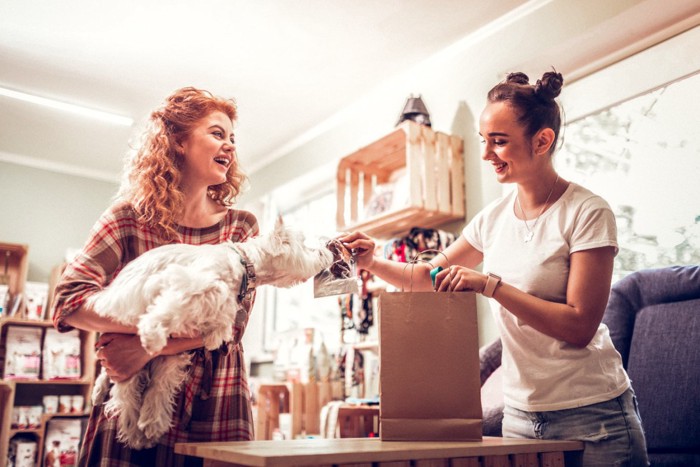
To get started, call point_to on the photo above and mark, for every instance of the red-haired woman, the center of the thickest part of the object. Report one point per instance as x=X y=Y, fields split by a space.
x=179 y=185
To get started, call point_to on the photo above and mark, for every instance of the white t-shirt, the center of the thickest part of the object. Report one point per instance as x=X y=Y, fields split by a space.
x=541 y=373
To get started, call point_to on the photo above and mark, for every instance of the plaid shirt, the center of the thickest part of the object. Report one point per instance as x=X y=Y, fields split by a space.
x=214 y=403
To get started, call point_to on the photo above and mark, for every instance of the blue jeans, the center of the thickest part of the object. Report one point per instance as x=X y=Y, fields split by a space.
x=611 y=431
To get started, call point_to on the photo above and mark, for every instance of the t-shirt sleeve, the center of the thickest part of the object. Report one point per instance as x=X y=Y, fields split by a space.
x=595 y=226
x=91 y=269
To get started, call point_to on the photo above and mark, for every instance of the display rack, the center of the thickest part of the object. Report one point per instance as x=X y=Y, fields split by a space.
x=17 y=392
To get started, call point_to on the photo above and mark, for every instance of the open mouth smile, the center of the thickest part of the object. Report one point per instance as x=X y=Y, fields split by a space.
x=224 y=161
x=500 y=167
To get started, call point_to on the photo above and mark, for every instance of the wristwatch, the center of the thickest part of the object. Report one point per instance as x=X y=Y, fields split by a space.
x=492 y=281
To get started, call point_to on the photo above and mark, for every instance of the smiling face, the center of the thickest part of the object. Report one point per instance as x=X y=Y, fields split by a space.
x=209 y=150
x=505 y=145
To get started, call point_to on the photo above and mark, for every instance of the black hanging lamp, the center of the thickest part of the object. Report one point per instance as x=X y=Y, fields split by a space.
x=416 y=111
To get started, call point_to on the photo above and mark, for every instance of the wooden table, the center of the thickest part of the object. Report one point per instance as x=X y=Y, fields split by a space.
x=364 y=452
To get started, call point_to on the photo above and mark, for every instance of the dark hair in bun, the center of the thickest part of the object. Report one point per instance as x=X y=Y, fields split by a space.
x=549 y=87
x=534 y=104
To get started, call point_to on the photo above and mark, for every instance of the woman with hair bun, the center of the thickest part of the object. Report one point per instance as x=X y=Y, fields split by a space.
x=179 y=186
x=547 y=248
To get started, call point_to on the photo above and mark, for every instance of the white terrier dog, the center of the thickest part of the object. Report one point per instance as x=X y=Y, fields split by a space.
x=189 y=290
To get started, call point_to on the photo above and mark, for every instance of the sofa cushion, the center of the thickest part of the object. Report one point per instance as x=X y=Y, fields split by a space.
x=492 y=403
x=491 y=388
x=645 y=288
x=664 y=366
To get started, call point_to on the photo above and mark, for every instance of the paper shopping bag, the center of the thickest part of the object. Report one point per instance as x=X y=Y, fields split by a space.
x=429 y=367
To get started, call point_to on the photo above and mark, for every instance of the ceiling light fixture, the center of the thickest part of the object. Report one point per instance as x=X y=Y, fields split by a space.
x=64 y=106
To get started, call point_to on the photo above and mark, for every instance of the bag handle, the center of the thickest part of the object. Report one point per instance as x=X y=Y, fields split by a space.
x=417 y=259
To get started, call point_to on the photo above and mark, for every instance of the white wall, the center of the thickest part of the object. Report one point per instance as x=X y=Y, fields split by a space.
x=48 y=211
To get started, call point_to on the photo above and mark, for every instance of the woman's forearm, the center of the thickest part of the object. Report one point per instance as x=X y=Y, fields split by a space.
x=86 y=319
x=409 y=277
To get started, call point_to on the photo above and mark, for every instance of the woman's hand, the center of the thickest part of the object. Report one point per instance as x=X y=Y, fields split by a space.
x=460 y=279
x=121 y=355
x=362 y=247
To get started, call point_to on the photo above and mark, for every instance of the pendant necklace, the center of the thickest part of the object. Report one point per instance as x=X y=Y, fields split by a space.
x=531 y=231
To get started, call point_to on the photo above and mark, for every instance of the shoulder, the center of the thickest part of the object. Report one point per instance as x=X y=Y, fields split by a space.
x=241 y=224
x=121 y=210
x=584 y=199
x=120 y=220
x=590 y=220
x=119 y=216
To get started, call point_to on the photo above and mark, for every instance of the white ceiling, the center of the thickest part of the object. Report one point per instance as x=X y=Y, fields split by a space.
x=289 y=64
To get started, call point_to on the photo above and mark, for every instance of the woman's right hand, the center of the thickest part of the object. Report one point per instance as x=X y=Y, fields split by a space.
x=121 y=355
x=362 y=247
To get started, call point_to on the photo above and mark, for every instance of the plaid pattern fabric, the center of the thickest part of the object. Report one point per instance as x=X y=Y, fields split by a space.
x=214 y=404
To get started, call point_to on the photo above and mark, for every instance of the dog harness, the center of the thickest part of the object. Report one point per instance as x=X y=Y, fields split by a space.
x=248 y=282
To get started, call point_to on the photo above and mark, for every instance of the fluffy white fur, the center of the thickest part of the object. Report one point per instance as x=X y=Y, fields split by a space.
x=187 y=289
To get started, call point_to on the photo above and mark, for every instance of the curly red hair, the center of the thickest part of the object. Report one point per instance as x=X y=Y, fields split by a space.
x=151 y=182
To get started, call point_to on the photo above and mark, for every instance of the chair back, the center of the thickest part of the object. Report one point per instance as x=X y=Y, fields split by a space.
x=654 y=321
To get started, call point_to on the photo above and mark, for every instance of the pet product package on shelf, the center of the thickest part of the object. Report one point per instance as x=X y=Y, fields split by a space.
x=50 y=403
x=340 y=277
x=22 y=452
x=35 y=296
x=429 y=367
x=22 y=353
x=26 y=416
x=62 y=442
x=61 y=355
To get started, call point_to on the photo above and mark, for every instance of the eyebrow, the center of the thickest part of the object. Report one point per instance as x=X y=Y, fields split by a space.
x=494 y=133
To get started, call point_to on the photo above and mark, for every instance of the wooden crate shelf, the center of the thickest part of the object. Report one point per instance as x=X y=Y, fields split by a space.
x=434 y=167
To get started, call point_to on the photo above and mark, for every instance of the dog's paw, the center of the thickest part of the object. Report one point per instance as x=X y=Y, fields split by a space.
x=153 y=340
x=212 y=341
x=155 y=430
x=135 y=439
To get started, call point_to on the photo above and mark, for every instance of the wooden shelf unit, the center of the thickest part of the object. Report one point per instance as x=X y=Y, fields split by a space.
x=434 y=164
x=17 y=392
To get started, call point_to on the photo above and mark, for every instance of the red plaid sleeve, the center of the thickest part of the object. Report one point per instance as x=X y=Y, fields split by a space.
x=95 y=265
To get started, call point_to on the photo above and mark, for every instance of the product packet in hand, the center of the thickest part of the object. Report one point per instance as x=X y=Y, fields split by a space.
x=341 y=277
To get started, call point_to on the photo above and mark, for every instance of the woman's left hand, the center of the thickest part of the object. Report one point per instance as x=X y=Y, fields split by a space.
x=459 y=279
x=121 y=355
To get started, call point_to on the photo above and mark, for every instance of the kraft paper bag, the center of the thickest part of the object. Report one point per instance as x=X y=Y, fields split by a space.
x=429 y=367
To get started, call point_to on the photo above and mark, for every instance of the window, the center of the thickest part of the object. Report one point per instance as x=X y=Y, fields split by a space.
x=316 y=218
x=281 y=315
x=643 y=156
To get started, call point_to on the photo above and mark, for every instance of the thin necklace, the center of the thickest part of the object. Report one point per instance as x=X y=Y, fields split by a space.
x=531 y=231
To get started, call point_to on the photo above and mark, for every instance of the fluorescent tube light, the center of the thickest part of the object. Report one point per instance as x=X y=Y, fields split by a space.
x=72 y=108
